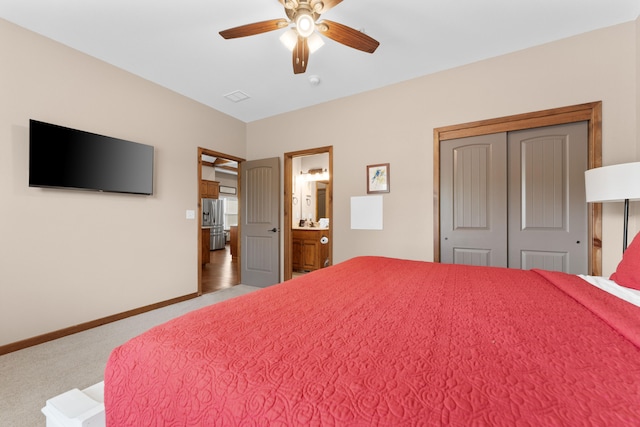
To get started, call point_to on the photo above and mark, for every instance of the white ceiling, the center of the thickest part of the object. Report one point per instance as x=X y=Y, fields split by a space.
x=176 y=44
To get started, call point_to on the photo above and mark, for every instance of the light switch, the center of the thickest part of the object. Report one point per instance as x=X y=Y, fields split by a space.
x=191 y=214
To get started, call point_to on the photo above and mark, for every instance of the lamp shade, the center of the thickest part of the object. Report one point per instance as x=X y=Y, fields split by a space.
x=315 y=42
x=613 y=183
x=289 y=39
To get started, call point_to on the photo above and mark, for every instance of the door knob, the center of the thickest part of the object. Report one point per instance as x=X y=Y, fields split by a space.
x=273 y=230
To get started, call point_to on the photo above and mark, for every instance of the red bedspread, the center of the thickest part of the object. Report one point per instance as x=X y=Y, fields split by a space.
x=385 y=342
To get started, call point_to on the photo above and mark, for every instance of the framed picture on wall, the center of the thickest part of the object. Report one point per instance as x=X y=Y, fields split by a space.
x=378 y=178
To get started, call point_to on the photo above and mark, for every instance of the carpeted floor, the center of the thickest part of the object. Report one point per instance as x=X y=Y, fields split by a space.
x=31 y=376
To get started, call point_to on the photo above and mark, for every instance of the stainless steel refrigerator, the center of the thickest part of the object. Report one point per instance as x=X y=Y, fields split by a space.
x=213 y=217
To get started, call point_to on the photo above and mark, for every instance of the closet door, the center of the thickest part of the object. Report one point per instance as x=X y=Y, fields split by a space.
x=473 y=201
x=547 y=208
x=516 y=200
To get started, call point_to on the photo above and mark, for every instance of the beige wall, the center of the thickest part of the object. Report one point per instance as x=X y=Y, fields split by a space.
x=395 y=124
x=68 y=257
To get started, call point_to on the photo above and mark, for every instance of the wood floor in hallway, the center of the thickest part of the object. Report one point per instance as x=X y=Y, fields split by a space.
x=220 y=272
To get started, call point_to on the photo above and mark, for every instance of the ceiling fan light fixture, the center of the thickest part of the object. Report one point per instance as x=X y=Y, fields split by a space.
x=302 y=37
x=305 y=24
x=315 y=42
x=289 y=39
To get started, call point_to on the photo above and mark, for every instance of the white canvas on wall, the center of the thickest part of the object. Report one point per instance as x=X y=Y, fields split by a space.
x=366 y=213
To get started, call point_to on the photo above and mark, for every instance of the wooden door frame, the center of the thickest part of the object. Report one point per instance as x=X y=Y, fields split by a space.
x=589 y=112
x=288 y=203
x=212 y=153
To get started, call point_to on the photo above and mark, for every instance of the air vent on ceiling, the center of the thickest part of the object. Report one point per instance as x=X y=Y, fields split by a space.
x=237 y=96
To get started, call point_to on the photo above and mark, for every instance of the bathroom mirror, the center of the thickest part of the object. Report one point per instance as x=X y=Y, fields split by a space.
x=321 y=199
x=310 y=179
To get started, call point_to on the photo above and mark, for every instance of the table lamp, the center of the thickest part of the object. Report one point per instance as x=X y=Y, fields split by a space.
x=616 y=183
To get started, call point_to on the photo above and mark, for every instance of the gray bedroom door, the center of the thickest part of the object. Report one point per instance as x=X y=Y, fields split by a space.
x=260 y=231
x=547 y=203
x=473 y=201
x=523 y=192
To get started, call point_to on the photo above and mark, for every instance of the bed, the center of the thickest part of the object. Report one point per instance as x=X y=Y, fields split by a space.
x=377 y=341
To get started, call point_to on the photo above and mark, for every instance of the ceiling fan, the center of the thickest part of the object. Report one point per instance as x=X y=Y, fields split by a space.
x=303 y=39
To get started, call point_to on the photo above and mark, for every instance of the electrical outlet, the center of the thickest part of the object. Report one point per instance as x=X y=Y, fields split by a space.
x=191 y=214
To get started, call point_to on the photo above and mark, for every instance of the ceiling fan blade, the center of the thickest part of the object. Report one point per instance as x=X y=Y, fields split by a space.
x=347 y=36
x=255 y=28
x=300 y=56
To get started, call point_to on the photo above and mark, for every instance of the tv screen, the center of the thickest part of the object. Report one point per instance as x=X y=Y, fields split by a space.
x=68 y=158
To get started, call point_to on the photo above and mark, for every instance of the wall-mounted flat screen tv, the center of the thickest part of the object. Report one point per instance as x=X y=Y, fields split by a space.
x=61 y=157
